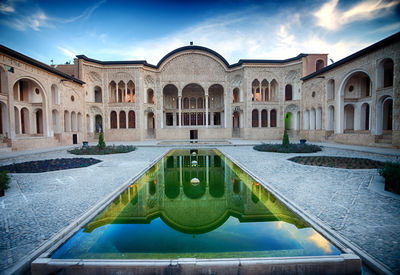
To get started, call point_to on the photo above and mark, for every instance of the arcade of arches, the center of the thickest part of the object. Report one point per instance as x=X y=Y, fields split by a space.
x=253 y=99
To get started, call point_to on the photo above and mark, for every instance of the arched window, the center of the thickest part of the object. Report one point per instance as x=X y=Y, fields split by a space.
x=113 y=93
x=330 y=90
x=122 y=119
x=113 y=120
x=312 y=119
x=264 y=90
x=254 y=86
x=385 y=73
x=80 y=128
x=98 y=98
x=387 y=118
x=73 y=122
x=331 y=118
x=132 y=95
x=67 y=122
x=349 y=117
x=55 y=99
x=200 y=103
x=131 y=119
x=319 y=64
x=288 y=92
x=273 y=118
x=306 y=120
x=364 y=125
x=264 y=118
x=319 y=119
x=235 y=95
x=150 y=96
x=192 y=103
x=39 y=121
x=186 y=103
x=254 y=118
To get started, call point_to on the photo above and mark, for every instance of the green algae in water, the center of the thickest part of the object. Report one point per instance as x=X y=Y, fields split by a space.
x=223 y=214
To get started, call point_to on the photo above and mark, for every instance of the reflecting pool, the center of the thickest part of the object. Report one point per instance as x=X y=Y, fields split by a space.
x=195 y=204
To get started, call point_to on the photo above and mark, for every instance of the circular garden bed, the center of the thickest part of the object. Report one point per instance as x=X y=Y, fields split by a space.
x=49 y=165
x=339 y=162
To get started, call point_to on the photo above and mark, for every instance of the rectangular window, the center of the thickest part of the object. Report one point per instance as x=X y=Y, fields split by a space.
x=192 y=118
x=199 y=118
x=169 y=119
x=177 y=119
x=217 y=118
x=186 y=119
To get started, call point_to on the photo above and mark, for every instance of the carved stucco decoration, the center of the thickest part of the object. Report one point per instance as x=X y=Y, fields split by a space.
x=94 y=77
x=237 y=80
x=149 y=81
x=292 y=108
x=292 y=77
x=193 y=68
x=121 y=76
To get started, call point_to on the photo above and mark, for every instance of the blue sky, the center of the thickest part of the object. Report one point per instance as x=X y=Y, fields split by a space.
x=147 y=30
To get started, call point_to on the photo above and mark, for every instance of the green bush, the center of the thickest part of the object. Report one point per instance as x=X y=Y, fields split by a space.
x=4 y=180
x=290 y=148
x=285 y=139
x=101 y=144
x=391 y=173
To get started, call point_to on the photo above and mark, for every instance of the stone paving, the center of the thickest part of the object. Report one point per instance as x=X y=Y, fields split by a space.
x=37 y=206
x=341 y=198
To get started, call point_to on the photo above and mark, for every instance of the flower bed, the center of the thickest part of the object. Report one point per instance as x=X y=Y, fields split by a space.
x=290 y=148
x=95 y=150
x=339 y=162
x=49 y=165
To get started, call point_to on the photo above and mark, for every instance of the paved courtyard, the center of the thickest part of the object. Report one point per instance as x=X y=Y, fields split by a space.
x=37 y=206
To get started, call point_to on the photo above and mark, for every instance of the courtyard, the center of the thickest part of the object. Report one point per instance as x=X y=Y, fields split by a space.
x=348 y=201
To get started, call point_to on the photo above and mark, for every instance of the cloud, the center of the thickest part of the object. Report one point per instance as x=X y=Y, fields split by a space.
x=67 y=52
x=84 y=15
x=331 y=18
x=25 y=19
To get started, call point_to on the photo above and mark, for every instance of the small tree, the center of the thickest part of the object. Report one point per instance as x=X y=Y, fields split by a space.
x=4 y=180
x=285 y=139
x=101 y=144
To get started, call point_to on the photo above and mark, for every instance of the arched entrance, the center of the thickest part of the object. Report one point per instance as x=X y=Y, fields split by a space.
x=387 y=115
x=236 y=124
x=194 y=106
x=151 y=125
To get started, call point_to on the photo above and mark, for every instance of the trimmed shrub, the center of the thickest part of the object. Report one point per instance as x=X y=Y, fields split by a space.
x=101 y=144
x=391 y=173
x=285 y=139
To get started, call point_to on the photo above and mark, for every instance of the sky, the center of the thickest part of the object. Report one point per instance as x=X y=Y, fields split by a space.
x=147 y=30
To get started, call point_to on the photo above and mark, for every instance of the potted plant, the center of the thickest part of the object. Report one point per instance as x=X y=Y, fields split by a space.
x=4 y=181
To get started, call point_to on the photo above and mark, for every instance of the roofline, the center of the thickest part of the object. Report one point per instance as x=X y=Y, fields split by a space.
x=37 y=63
x=193 y=48
x=128 y=62
x=391 y=39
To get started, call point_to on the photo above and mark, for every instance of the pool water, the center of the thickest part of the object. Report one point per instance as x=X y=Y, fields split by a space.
x=195 y=204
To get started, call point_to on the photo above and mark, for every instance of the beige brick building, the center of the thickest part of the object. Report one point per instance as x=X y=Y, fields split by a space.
x=193 y=92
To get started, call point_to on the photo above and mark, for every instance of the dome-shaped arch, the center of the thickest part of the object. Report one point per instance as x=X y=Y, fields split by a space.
x=193 y=50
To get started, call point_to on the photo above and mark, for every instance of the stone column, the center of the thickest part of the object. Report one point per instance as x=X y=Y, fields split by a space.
x=259 y=118
x=180 y=110
x=269 y=91
x=206 y=111
x=116 y=93
x=125 y=93
x=117 y=119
